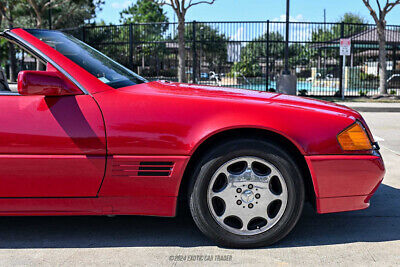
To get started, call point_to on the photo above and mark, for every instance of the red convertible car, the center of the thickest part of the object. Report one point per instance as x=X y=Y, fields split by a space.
x=83 y=135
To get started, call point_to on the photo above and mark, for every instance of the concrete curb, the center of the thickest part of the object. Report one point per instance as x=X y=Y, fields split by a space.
x=376 y=109
x=372 y=107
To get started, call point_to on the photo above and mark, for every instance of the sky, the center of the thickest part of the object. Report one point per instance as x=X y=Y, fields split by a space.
x=259 y=10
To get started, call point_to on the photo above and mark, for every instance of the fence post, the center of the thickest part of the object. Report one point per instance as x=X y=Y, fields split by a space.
x=341 y=62
x=286 y=69
x=394 y=51
x=131 y=46
x=267 y=59
x=194 y=56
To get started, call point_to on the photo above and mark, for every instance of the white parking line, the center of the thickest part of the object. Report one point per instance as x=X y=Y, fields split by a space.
x=395 y=152
x=380 y=139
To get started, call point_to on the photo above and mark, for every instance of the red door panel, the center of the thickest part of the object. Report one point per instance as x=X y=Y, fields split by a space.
x=50 y=175
x=51 y=146
x=51 y=125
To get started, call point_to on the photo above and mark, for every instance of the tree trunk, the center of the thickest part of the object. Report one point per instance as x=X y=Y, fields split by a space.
x=181 y=50
x=39 y=23
x=382 y=58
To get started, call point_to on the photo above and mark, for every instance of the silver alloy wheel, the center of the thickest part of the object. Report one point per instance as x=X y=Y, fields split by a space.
x=247 y=195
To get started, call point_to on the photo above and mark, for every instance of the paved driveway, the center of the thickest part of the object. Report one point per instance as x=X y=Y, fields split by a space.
x=386 y=125
x=356 y=238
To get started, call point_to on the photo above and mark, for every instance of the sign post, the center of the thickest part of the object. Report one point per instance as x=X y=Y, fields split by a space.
x=345 y=50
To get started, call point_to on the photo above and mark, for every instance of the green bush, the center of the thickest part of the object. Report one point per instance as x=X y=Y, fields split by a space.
x=367 y=77
x=246 y=68
x=362 y=93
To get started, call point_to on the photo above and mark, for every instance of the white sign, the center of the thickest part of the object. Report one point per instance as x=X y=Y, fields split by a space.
x=345 y=47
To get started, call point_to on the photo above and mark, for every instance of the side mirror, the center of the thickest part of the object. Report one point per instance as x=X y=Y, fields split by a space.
x=47 y=83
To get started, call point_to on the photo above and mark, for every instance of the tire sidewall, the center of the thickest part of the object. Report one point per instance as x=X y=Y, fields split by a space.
x=231 y=150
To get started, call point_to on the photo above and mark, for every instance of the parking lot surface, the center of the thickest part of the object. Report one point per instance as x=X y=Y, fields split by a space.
x=360 y=238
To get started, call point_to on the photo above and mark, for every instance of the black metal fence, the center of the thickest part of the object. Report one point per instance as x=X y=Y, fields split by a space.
x=251 y=54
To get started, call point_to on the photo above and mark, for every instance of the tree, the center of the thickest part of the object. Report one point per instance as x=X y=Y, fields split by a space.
x=180 y=8
x=150 y=22
x=7 y=12
x=353 y=23
x=354 y=18
x=299 y=54
x=143 y=11
x=379 y=17
x=210 y=45
x=63 y=14
x=35 y=14
x=251 y=54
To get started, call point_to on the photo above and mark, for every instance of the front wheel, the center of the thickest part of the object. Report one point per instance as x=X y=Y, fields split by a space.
x=246 y=193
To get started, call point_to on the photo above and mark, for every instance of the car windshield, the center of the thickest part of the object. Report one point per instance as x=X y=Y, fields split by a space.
x=105 y=69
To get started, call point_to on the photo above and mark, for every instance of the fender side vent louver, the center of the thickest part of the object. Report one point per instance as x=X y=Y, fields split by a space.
x=132 y=168
x=155 y=168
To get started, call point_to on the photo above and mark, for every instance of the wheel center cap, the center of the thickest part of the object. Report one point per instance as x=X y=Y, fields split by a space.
x=247 y=196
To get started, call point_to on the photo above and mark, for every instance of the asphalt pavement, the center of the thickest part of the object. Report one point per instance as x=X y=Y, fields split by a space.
x=360 y=238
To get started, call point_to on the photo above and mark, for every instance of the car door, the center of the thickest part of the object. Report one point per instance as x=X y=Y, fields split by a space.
x=50 y=146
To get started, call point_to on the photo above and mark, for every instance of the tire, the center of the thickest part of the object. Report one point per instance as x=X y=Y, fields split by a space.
x=248 y=179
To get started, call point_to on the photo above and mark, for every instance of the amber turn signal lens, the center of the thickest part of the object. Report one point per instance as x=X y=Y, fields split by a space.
x=354 y=138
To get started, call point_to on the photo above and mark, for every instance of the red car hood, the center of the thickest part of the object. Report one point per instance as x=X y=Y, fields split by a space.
x=235 y=94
